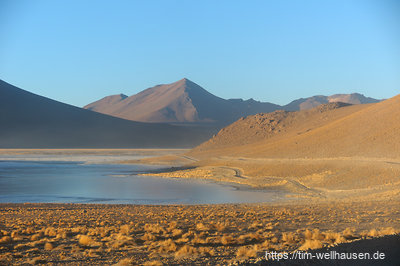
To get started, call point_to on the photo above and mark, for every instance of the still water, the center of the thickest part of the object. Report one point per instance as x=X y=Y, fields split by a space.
x=77 y=182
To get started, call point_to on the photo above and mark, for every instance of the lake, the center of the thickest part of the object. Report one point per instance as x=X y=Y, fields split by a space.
x=79 y=182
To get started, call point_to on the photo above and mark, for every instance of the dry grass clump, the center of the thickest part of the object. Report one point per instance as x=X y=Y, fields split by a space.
x=348 y=233
x=311 y=244
x=249 y=238
x=334 y=238
x=120 y=240
x=376 y=233
x=227 y=240
x=317 y=235
x=36 y=260
x=218 y=227
x=373 y=233
x=28 y=231
x=176 y=232
x=388 y=231
x=154 y=228
x=289 y=237
x=186 y=251
x=5 y=240
x=172 y=226
x=124 y=262
x=255 y=225
x=189 y=251
x=313 y=235
x=48 y=246
x=246 y=252
x=153 y=263
x=202 y=227
x=50 y=231
x=79 y=230
x=148 y=237
x=167 y=246
x=200 y=238
x=85 y=240
x=125 y=229
x=315 y=239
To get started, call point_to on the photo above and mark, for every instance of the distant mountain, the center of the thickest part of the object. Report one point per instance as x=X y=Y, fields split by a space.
x=311 y=102
x=186 y=102
x=182 y=101
x=32 y=121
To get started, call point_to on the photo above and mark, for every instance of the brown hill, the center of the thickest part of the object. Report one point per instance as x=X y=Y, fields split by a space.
x=362 y=130
x=314 y=101
x=182 y=101
x=32 y=121
x=329 y=149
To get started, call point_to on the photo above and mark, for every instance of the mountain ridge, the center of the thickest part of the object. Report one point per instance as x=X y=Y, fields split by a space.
x=181 y=101
x=186 y=102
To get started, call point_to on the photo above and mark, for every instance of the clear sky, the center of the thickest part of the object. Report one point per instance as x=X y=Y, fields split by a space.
x=78 y=51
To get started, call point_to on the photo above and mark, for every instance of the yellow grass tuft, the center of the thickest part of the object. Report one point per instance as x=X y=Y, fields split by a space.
x=227 y=240
x=124 y=229
x=154 y=228
x=36 y=260
x=48 y=246
x=289 y=237
x=85 y=240
x=308 y=234
x=311 y=244
x=202 y=227
x=167 y=246
x=153 y=263
x=148 y=237
x=249 y=238
x=124 y=262
x=218 y=226
x=245 y=252
x=348 y=233
x=373 y=233
x=388 y=231
x=334 y=238
x=172 y=226
x=5 y=240
x=186 y=251
x=50 y=231
x=317 y=235
x=176 y=232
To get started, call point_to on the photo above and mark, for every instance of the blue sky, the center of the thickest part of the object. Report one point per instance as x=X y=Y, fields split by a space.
x=79 y=51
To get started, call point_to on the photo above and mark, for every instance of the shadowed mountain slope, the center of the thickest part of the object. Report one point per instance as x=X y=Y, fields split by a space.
x=182 y=101
x=32 y=121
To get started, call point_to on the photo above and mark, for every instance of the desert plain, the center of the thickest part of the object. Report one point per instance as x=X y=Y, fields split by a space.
x=310 y=218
